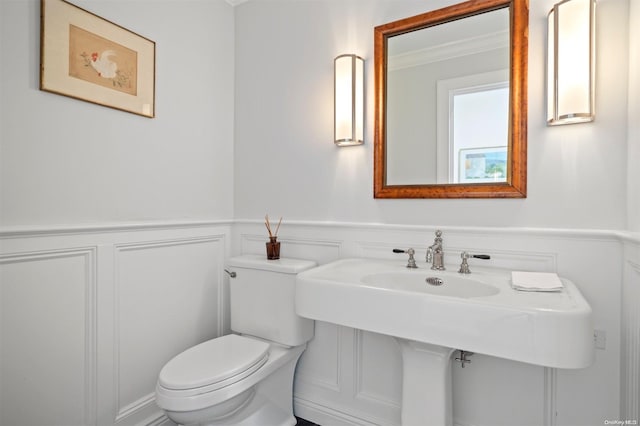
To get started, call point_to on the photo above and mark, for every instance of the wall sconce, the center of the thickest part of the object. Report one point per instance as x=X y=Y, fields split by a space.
x=348 y=100
x=570 y=62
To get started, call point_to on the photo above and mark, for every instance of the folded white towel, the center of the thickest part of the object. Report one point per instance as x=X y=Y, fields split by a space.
x=535 y=281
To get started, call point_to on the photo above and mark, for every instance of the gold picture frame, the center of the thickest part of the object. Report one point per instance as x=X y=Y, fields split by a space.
x=86 y=57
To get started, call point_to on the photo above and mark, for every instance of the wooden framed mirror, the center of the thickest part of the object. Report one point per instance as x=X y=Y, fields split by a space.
x=451 y=102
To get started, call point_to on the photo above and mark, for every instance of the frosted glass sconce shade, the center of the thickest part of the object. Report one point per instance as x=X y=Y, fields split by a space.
x=349 y=100
x=570 y=62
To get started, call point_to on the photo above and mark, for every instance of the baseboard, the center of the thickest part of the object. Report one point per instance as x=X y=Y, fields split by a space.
x=158 y=419
x=326 y=416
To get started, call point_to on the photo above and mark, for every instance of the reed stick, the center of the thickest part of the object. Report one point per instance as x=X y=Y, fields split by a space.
x=268 y=225
x=278 y=227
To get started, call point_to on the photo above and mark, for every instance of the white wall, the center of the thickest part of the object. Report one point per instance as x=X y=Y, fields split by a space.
x=155 y=206
x=284 y=149
x=286 y=164
x=113 y=227
x=633 y=178
x=67 y=162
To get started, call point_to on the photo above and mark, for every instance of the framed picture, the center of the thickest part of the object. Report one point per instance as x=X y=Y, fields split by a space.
x=478 y=165
x=89 y=58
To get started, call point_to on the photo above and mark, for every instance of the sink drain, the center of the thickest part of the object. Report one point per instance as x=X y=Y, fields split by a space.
x=435 y=281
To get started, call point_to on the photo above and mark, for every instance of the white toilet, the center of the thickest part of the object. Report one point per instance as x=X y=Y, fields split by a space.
x=245 y=378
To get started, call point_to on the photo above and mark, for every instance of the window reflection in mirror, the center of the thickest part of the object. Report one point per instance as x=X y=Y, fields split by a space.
x=478 y=135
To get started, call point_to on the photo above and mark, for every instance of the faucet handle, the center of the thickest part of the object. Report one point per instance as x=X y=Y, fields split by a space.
x=481 y=256
x=411 y=262
x=464 y=266
x=467 y=255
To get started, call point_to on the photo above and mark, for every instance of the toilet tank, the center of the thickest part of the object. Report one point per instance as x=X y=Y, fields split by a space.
x=263 y=299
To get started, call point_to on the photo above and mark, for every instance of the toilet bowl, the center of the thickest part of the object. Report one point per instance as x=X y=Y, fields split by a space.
x=243 y=379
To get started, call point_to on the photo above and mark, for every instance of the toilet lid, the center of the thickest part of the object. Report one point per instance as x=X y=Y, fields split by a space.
x=214 y=361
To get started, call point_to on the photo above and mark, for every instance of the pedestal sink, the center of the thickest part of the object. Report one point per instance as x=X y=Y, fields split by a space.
x=433 y=313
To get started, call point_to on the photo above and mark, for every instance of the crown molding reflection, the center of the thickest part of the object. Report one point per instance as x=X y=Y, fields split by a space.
x=445 y=51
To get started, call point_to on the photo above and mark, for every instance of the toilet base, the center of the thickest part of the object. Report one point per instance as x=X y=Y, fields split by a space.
x=267 y=403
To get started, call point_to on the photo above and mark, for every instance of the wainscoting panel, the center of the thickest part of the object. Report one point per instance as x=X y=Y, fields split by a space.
x=498 y=392
x=322 y=251
x=163 y=288
x=505 y=259
x=48 y=329
x=320 y=366
x=489 y=391
x=89 y=317
x=377 y=361
x=630 y=404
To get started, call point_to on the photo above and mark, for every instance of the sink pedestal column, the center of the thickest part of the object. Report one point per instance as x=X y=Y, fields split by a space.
x=426 y=384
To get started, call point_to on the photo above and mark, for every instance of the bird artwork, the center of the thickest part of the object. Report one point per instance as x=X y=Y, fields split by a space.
x=108 y=73
x=99 y=61
x=104 y=66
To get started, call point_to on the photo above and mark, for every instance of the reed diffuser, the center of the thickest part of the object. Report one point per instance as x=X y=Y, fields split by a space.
x=273 y=245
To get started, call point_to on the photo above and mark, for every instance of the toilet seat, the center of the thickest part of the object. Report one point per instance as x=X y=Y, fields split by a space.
x=213 y=365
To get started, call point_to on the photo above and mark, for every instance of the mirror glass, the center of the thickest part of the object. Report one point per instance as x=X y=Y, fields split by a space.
x=449 y=114
x=448 y=102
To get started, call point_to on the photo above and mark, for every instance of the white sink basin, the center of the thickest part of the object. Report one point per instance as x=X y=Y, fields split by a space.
x=479 y=313
x=436 y=284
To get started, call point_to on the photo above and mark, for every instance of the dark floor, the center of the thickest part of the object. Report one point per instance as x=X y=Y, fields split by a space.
x=303 y=422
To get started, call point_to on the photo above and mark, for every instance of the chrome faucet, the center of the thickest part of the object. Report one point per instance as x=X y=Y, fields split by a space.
x=435 y=253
